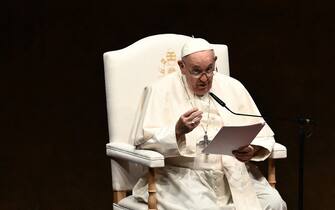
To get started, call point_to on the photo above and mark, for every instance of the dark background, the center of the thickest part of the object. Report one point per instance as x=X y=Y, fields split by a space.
x=53 y=111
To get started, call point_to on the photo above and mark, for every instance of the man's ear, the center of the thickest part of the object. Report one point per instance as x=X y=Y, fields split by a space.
x=181 y=66
x=215 y=58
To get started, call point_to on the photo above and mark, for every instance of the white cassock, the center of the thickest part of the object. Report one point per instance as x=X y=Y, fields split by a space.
x=191 y=179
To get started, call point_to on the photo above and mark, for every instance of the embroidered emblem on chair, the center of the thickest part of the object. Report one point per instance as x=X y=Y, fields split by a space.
x=169 y=63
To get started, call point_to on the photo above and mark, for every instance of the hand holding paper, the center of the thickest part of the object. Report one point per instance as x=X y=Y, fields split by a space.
x=244 y=153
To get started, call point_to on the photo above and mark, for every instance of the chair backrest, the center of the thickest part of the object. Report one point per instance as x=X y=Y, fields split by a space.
x=129 y=70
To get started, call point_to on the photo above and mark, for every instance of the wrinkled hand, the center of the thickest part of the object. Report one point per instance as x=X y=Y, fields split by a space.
x=244 y=153
x=188 y=121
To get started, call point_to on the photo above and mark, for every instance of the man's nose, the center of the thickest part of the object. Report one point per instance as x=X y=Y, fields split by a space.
x=204 y=77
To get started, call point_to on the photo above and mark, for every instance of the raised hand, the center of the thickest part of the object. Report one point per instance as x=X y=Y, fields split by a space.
x=188 y=121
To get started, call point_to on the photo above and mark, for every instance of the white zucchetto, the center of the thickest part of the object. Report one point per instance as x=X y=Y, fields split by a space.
x=195 y=45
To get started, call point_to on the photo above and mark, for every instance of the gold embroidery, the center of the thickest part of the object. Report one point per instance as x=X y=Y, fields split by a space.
x=169 y=63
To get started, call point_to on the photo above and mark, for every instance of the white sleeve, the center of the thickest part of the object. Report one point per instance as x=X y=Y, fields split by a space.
x=265 y=138
x=154 y=128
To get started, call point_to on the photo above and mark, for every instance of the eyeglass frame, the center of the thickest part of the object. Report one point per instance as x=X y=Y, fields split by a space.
x=199 y=75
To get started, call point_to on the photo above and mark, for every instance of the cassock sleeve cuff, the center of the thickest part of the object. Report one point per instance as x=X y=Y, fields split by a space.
x=266 y=146
x=164 y=141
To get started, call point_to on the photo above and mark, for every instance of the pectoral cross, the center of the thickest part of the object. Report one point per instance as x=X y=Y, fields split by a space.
x=206 y=141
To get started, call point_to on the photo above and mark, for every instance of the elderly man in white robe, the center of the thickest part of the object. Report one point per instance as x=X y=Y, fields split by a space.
x=177 y=114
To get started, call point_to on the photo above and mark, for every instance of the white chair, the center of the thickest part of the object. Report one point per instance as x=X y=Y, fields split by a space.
x=127 y=72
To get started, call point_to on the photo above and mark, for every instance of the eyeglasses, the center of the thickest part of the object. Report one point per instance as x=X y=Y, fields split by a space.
x=209 y=72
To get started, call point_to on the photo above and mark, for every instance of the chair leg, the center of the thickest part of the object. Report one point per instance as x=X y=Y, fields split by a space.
x=152 y=201
x=118 y=195
x=272 y=172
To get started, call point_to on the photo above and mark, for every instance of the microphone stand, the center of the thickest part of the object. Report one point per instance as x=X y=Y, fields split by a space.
x=303 y=123
x=301 y=167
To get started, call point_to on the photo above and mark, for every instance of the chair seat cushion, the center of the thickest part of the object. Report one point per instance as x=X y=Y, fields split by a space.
x=130 y=203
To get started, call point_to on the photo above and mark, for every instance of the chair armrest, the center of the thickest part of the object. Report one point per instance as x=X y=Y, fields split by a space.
x=279 y=151
x=148 y=158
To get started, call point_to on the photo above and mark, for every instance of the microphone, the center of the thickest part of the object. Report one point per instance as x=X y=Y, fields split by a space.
x=217 y=99
x=299 y=120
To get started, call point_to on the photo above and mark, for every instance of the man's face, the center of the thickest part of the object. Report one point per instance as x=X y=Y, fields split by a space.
x=194 y=67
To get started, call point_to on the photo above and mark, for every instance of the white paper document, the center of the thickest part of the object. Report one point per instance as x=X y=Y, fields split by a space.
x=230 y=138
